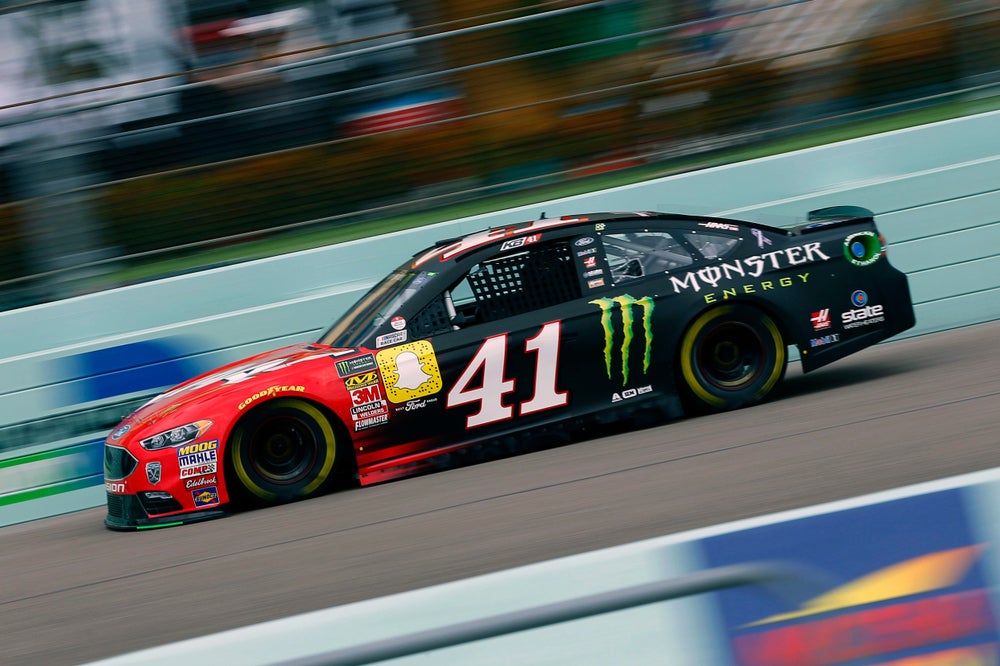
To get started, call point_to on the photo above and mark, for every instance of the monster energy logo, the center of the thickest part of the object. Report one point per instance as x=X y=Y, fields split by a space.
x=625 y=302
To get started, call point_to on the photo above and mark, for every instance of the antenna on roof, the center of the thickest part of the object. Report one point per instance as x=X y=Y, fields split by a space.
x=543 y=216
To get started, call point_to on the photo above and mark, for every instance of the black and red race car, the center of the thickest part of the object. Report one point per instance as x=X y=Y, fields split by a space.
x=532 y=328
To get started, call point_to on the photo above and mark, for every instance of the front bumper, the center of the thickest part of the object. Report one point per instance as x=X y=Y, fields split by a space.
x=127 y=512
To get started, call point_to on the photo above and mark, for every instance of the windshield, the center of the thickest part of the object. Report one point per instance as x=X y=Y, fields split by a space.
x=381 y=303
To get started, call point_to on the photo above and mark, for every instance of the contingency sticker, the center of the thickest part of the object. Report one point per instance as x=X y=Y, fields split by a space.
x=409 y=371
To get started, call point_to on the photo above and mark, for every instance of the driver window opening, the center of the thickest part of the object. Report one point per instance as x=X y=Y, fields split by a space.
x=638 y=254
x=503 y=287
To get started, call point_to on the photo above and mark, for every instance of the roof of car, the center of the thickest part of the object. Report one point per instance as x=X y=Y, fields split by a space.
x=454 y=248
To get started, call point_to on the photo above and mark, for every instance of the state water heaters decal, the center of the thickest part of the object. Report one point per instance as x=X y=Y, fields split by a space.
x=901 y=582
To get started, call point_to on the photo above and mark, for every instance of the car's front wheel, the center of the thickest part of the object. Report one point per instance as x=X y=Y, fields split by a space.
x=731 y=356
x=285 y=449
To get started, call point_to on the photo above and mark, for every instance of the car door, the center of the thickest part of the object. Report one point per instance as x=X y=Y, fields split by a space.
x=508 y=355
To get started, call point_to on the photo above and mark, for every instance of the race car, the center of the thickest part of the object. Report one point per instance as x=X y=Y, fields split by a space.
x=484 y=341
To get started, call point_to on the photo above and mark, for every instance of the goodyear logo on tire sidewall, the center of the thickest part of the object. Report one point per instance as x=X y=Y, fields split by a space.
x=409 y=371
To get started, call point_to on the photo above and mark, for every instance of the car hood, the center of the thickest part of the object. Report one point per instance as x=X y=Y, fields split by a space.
x=225 y=380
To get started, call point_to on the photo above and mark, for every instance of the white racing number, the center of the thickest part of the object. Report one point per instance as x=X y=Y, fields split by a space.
x=490 y=362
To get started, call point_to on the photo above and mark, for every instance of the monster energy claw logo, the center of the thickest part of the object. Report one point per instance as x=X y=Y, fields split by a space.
x=625 y=302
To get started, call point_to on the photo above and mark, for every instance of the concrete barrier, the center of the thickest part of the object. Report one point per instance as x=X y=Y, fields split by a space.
x=74 y=367
x=903 y=577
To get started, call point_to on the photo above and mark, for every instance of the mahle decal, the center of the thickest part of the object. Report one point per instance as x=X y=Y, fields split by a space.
x=626 y=303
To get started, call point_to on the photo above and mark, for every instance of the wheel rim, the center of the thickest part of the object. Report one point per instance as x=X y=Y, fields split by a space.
x=283 y=450
x=731 y=356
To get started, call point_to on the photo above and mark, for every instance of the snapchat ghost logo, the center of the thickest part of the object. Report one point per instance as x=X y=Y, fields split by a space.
x=409 y=371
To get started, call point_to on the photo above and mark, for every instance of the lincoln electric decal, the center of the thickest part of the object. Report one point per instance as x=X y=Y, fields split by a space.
x=898 y=583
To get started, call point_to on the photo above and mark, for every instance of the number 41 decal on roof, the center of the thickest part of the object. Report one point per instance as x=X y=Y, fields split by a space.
x=491 y=360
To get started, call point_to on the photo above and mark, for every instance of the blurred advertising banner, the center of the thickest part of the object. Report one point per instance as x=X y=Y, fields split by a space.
x=908 y=586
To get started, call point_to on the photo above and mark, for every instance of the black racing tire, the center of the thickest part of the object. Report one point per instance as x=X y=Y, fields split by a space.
x=731 y=356
x=284 y=450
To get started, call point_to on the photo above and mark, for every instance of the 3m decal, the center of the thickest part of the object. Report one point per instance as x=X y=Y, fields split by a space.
x=368 y=402
x=489 y=364
x=624 y=304
x=409 y=371
x=750 y=266
x=353 y=366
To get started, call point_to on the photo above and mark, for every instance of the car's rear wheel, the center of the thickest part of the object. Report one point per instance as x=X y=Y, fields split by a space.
x=731 y=356
x=284 y=450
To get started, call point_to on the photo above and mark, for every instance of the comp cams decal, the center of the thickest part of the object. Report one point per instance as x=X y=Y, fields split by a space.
x=198 y=459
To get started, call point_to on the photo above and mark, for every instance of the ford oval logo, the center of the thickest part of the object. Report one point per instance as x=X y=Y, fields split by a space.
x=120 y=431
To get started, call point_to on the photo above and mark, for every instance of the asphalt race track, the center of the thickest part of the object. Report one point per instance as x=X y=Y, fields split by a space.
x=901 y=413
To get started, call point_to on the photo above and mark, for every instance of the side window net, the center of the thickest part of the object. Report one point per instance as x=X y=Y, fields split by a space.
x=523 y=282
x=434 y=318
x=637 y=254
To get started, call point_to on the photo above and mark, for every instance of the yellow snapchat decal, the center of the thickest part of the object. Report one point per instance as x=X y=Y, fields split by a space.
x=409 y=371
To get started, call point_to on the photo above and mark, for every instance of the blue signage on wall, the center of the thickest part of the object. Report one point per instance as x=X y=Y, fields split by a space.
x=125 y=369
x=902 y=583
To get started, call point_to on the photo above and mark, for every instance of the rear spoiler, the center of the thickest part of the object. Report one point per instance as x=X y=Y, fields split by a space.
x=834 y=216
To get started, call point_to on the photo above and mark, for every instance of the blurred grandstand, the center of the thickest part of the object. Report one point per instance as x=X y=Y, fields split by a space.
x=136 y=129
